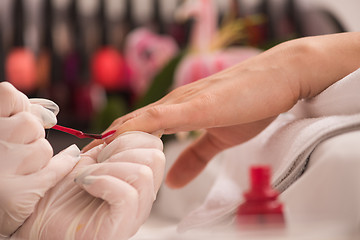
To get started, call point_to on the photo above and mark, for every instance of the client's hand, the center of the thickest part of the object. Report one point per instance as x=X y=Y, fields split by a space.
x=27 y=167
x=112 y=195
x=236 y=104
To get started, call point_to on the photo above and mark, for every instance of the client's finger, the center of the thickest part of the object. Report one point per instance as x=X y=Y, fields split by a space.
x=192 y=161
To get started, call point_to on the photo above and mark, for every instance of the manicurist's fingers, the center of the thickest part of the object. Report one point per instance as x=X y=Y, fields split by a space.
x=11 y=100
x=130 y=140
x=137 y=175
x=46 y=103
x=22 y=128
x=46 y=117
x=24 y=159
x=56 y=169
x=123 y=200
x=151 y=157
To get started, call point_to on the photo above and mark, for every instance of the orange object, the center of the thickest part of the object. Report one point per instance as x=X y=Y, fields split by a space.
x=20 y=68
x=108 y=69
x=20 y=64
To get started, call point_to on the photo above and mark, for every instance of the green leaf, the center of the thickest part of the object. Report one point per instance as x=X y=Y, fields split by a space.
x=161 y=84
x=115 y=107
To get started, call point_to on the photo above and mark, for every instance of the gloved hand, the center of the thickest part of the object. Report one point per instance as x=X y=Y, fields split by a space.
x=112 y=195
x=27 y=167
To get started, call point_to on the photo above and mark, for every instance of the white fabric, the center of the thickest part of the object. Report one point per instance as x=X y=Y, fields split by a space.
x=175 y=204
x=286 y=146
x=324 y=204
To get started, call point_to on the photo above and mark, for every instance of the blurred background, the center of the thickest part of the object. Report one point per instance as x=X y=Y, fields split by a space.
x=100 y=59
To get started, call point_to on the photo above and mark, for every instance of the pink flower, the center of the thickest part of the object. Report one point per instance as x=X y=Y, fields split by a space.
x=196 y=66
x=206 y=56
x=146 y=53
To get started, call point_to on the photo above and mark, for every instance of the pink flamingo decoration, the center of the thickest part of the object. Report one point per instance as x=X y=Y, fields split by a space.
x=207 y=53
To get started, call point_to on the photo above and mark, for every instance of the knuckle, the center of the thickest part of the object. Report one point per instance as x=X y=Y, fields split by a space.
x=155 y=114
x=132 y=194
x=12 y=97
x=7 y=88
x=116 y=122
x=30 y=122
x=45 y=148
x=145 y=172
x=158 y=156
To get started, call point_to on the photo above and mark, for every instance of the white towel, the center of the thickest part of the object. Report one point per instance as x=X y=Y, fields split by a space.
x=285 y=145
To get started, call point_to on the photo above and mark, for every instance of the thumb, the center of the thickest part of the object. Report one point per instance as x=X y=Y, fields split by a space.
x=123 y=200
x=193 y=160
x=58 y=167
x=45 y=116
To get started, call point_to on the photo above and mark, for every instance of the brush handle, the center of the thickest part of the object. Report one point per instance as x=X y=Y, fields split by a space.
x=71 y=131
x=80 y=134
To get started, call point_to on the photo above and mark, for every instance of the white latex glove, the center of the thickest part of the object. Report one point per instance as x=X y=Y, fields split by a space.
x=27 y=168
x=112 y=195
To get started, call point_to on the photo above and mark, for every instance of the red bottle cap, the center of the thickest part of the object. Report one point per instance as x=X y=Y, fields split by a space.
x=261 y=205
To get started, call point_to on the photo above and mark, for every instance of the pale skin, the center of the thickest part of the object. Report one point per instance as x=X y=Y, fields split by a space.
x=236 y=104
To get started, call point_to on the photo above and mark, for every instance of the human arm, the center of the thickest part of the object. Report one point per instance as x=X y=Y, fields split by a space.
x=236 y=104
x=108 y=195
x=27 y=167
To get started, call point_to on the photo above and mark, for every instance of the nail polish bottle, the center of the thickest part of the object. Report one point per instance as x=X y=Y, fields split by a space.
x=261 y=208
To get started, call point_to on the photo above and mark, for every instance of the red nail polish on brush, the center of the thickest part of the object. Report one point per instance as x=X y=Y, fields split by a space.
x=261 y=208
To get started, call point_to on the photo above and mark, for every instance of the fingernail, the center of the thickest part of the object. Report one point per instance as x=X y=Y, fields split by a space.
x=83 y=173
x=46 y=103
x=88 y=180
x=72 y=151
x=47 y=118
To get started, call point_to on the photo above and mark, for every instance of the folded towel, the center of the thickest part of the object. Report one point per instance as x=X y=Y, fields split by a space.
x=285 y=145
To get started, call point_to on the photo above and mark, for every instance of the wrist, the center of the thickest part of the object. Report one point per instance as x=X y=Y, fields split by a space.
x=315 y=63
